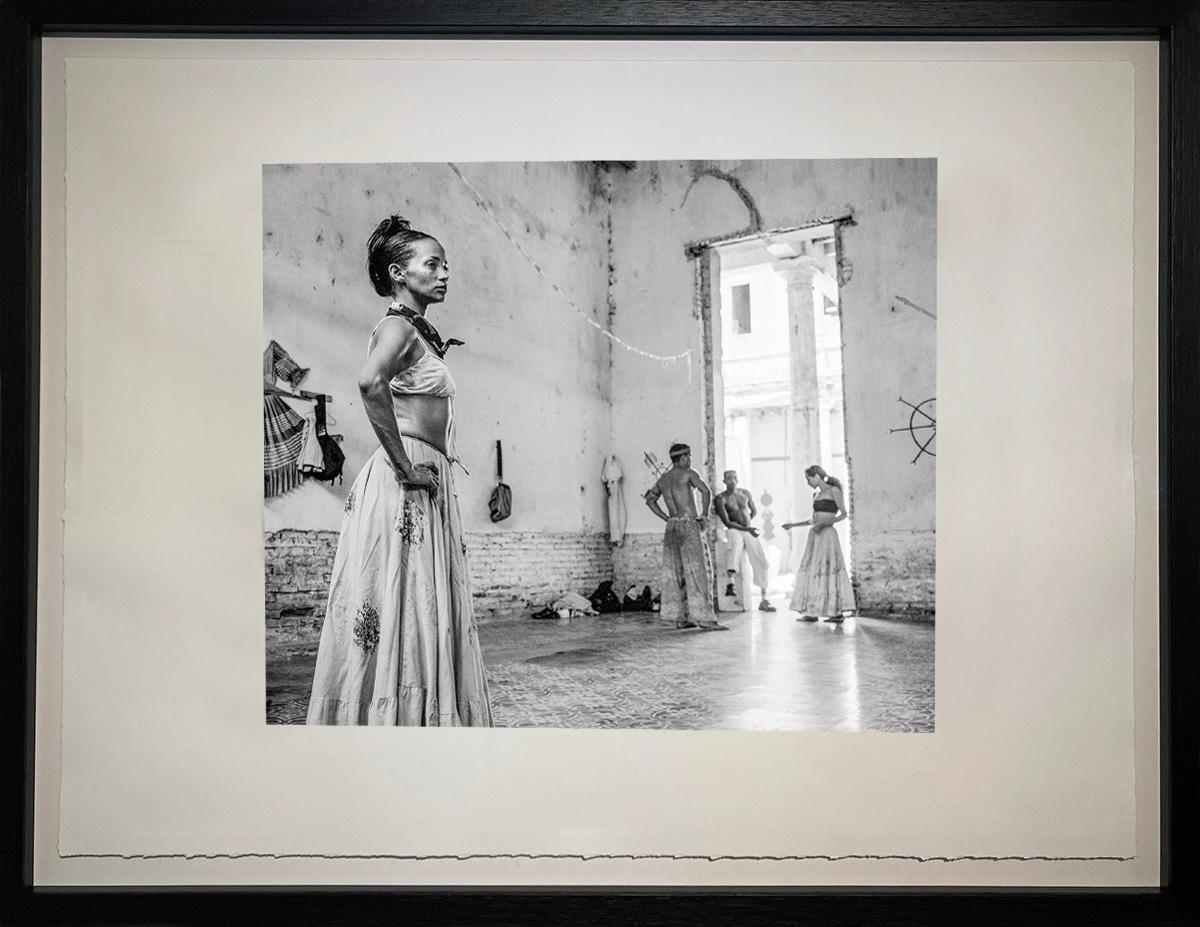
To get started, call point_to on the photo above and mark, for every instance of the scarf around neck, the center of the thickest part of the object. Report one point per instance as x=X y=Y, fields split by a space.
x=425 y=328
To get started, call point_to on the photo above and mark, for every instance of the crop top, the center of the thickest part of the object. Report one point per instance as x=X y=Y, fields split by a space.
x=427 y=376
x=825 y=505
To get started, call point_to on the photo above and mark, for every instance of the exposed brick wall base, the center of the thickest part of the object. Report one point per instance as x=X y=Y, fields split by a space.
x=514 y=571
x=894 y=574
x=527 y=570
x=510 y=570
x=638 y=562
x=297 y=575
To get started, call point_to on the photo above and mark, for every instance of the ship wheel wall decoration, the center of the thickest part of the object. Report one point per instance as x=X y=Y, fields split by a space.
x=921 y=427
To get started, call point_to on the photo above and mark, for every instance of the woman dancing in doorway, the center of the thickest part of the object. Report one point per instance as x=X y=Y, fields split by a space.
x=399 y=644
x=823 y=587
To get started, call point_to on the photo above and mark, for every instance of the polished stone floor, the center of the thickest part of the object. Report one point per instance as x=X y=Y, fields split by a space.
x=769 y=673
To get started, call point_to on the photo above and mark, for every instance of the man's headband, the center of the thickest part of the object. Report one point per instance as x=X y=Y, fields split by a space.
x=678 y=450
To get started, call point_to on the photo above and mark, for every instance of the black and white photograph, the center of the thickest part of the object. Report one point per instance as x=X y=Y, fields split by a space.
x=601 y=444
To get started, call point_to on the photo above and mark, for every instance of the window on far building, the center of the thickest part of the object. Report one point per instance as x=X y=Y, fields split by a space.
x=741 y=309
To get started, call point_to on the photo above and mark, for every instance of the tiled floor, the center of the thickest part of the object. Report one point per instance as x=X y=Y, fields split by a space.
x=770 y=672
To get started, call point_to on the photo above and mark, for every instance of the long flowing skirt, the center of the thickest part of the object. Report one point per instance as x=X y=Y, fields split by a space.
x=822 y=584
x=399 y=644
x=686 y=576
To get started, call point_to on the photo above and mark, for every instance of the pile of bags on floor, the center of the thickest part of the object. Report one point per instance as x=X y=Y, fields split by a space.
x=567 y=605
x=604 y=601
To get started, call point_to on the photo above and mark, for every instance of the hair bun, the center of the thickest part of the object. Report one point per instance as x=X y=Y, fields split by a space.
x=392 y=225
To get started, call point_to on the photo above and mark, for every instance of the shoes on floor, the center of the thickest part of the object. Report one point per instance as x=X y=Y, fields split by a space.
x=807 y=618
x=766 y=606
x=714 y=627
x=729 y=589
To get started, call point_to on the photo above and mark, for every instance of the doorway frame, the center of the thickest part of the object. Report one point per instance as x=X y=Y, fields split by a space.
x=705 y=259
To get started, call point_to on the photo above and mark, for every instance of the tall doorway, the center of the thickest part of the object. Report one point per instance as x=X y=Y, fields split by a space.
x=777 y=379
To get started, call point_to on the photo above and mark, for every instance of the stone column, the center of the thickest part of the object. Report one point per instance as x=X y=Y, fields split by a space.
x=804 y=422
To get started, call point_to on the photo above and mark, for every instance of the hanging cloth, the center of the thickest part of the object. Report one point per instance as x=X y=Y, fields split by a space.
x=278 y=364
x=283 y=439
x=312 y=458
x=500 y=503
x=283 y=428
x=612 y=475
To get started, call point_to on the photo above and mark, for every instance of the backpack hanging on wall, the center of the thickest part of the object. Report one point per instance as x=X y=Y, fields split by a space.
x=331 y=453
x=500 y=503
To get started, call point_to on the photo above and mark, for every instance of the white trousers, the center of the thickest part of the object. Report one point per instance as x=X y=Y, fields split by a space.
x=743 y=544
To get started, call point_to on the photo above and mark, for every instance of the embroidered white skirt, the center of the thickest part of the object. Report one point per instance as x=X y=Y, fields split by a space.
x=399 y=644
x=822 y=583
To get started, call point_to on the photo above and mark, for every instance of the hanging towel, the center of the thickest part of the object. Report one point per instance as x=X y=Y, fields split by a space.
x=617 y=515
x=312 y=458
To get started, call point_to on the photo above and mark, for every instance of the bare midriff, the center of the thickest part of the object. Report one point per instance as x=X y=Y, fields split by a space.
x=426 y=418
x=824 y=519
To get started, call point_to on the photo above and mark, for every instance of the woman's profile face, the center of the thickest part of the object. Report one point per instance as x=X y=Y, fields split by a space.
x=427 y=274
x=813 y=480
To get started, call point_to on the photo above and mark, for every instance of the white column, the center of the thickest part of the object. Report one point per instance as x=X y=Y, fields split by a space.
x=804 y=418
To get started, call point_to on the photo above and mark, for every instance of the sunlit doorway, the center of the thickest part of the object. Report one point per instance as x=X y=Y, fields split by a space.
x=780 y=358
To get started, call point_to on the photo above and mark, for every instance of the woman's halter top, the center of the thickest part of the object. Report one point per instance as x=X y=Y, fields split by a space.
x=427 y=376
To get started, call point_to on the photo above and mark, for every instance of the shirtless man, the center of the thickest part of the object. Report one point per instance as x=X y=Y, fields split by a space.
x=687 y=580
x=735 y=508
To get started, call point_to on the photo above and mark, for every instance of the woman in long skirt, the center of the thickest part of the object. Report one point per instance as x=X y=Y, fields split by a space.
x=822 y=588
x=399 y=644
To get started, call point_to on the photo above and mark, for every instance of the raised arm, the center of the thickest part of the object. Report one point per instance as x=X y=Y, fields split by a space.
x=396 y=347
x=653 y=494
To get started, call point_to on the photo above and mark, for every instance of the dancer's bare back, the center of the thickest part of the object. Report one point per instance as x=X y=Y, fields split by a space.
x=678 y=487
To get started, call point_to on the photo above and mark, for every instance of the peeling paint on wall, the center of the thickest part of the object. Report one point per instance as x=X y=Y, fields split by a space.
x=610 y=292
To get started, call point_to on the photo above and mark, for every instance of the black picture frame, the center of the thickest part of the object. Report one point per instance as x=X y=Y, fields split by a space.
x=1175 y=24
